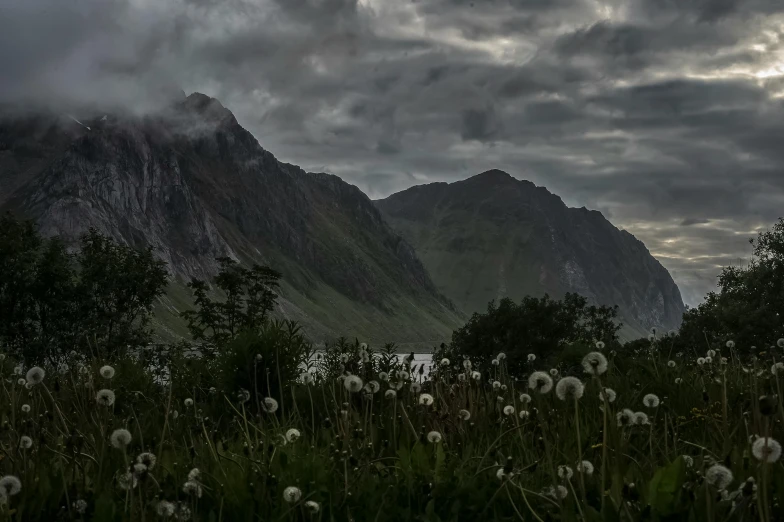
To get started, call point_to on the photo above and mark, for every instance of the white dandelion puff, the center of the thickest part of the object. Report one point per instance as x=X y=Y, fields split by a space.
x=766 y=449
x=595 y=363
x=730 y=344
x=312 y=506
x=10 y=485
x=503 y=475
x=651 y=401
x=383 y=376
x=415 y=387
x=565 y=472
x=585 y=467
x=25 y=442
x=352 y=383
x=148 y=459
x=609 y=393
x=708 y=360
x=165 y=509
x=120 y=438
x=553 y=372
x=269 y=405
x=25 y=408
x=496 y=385
x=540 y=382
x=35 y=375
x=192 y=488
x=292 y=435
x=625 y=417
x=390 y=394
x=501 y=356
x=80 y=506
x=671 y=364
x=426 y=399
x=524 y=414
x=494 y=362
x=188 y=402
x=464 y=414
x=104 y=397
x=569 y=388
x=107 y=372
x=194 y=474
x=688 y=461
x=711 y=354
x=600 y=345
x=21 y=382
x=640 y=418
x=531 y=357
x=434 y=437
x=509 y=410
x=467 y=364
x=127 y=480
x=718 y=476
x=780 y=343
x=445 y=362
x=559 y=492
x=700 y=360
x=525 y=398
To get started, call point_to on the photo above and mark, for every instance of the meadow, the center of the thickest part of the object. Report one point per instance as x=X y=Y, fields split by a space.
x=359 y=435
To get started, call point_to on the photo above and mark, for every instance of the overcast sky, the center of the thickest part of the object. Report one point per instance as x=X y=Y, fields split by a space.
x=666 y=115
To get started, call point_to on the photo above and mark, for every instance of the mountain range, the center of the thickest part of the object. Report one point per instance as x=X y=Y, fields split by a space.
x=194 y=185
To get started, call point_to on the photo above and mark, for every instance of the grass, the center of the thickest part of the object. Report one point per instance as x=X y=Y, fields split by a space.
x=395 y=447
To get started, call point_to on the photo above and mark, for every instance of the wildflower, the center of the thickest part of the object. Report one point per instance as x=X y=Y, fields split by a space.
x=434 y=437
x=415 y=387
x=553 y=372
x=292 y=435
x=445 y=362
x=10 y=485
x=188 y=402
x=353 y=383
x=585 y=467
x=501 y=356
x=80 y=506
x=476 y=376
x=524 y=414
x=531 y=357
x=164 y=509
x=390 y=394
x=104 y=397
x=625 y=417
x=688 y=461
x=508 y=410
x=383 y=376
x=35 y=375
x=730 y=344
x=609 y=392
x=708 y=360
x=719 y=476
x=595 y=363
x=464 y=415
x=467 y=364
x=766 y=449
x=525 y=398
x=671 y=364
x=25 y=442
x=569 y=388
x=640 y=418
x=426 y=399
x=496 y=385
x=700 y=360
x=192 y=488
x=25 y=408
x=494 y=362
x=651 y=401
x=600 y=345
x=127 y=480
x=147 y=458
x=194 y=474
x=540 y=382
x=120 y=438
x=312 y=506
x=565 y=472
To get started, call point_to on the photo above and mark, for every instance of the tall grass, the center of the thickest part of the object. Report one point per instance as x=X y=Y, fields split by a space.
x=362 y=437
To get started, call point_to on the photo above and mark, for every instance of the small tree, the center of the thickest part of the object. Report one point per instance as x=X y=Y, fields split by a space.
x=249 y=299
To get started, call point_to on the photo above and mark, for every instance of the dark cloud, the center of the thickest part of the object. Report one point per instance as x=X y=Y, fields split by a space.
x=666 y=115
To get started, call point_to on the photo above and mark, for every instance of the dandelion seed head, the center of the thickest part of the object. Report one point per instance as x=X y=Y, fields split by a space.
x=445 y=362
x=461 y=377
x=610 y=393
x=524 y=414
x=188 y=402
x=25 y=442
x=651 y=401
x=525 y=398
x=476 y=376
x=194 y=474
x=600 y=345
x=688 y=461
x=678 y=380
x=780 y=343
x=415 y=387
x=671 y=364
x=192 y=488
x=640 y=418
x=708 y=360
x=565 y=472
x=120 y=438
x=25 y=408
x=531 y=357
x=730 y=344
x=383 y=376
x=509 y=410
x=292 y=435
x=624 y=417
x=540 y=382
x=467 y=364
x=312 y=506
x=352 y=383
x=464 y=414
x=390 y=394
x=718 y=476
x=595 y=363
x=426 y=399
x=501 y=356
x=35 y=375
x=496 y=385
x=766 y=449
x=21 y=382
x=494 y=362
x=165 y=509
x=553 y=372
x=569 y=388
x=10 y=485
x=107 y=372
x=80 y=506
x=700 y=360
x=127 y=481
x=148 y=459
x=104 y=397
x=585 y=467
x=434 y=437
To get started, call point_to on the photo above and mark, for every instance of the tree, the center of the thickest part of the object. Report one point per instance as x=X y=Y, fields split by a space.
x=52 y=302
x=748 y=305
x=250 y=296
x=539 y=326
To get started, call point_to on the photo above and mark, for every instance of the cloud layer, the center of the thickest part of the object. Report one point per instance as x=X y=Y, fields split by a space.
x=666 y=115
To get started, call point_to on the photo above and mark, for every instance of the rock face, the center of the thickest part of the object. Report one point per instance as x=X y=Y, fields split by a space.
x=493 y=236
x=195 y=185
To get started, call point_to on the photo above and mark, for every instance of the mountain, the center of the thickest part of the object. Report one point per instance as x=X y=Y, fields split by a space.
x=493 y=236
x=194 y=185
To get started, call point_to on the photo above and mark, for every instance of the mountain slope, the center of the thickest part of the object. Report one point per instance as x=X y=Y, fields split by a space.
x=195 y=185
x=493 y=236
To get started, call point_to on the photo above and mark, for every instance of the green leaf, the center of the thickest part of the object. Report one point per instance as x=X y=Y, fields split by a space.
x=665 y=488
